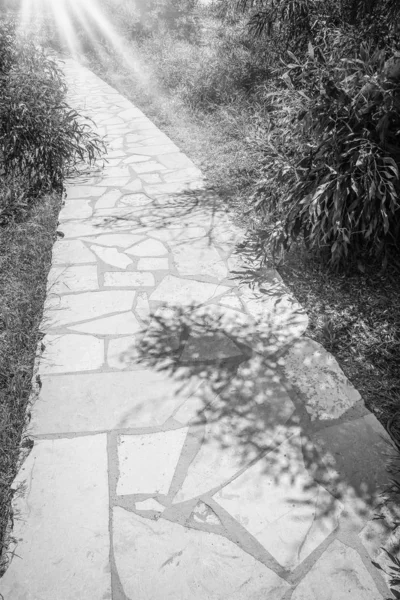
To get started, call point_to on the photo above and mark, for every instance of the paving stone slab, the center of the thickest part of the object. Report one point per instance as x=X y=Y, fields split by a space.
x=72 y=252
x=70 y=352
x=165 y=561
x=105 y=401
x=279 y=503
x=327 y=393
x=75 y=308
x=64 y=280
x=61 y=530
x=147 y=462
x=339 y=574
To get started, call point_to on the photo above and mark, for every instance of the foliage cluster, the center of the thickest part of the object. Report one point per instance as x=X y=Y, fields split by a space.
x=41 y=137
x=330 y=169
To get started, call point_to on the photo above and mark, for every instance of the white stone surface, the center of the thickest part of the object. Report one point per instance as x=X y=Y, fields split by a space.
x=148 y=248
x=129 y=279
x=78 y=192
x=177 y=235
x=237 y=432
x=198 y=258
x=135 y=200
x=104 y=401
x=62 y=523
x=274 y=306
x=122 y=352
x=278 y=502
x=77 y=209
x=174 y=290
x=109 y=199
x=71 y=352
x=164 y=561
x=150 y=504
x=87 y=305
x=148 y=167
x=112 y=256
x=64 y=280
x=326 y=391
x=71 y=252
x=121 y=240
x=142 y=307
x=147 y=462
x=176 y=160
x=135 y=159
x=188 y=174
x=340 y=575
x=153 y=264
x=122 y=324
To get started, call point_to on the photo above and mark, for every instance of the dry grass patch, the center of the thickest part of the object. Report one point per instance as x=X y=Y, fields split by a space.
x=25 y=255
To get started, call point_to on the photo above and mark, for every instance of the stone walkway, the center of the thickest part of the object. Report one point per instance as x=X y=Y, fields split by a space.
x=190 y=443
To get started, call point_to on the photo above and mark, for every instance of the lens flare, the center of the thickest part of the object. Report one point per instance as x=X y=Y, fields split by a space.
x=76 y=23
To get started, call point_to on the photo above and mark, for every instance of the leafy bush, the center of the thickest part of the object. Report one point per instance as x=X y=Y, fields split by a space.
x=41 y=137
x=338 y=157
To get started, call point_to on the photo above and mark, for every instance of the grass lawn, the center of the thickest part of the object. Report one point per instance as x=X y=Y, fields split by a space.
x=25 y=255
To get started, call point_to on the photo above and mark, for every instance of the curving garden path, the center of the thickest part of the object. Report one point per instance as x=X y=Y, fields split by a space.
x=190 y=443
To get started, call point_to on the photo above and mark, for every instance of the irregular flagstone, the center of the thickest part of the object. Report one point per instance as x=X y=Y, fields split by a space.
x=135 y=158
x=165 y=561
x=130 y=279
x=71 y=353
x=105 y=401
x=242 y=423
x=120 y=240
x=71 y=252
x=87 y=305
x=350 y=449
x=210 y=346
x=176 y=160
x=61 y=530
x=340 y=571
x=109 y=199
x=153 y=264
x=150 y=504
x=174 y=290
x=76 y=210
x=148 y=248
x=117 y=325
x=64 y=280
x=79 y=192
x=150 y=178
x=183 y=175
x=314 y=372
x=122 y=352
x=197 y=257
x=94 y=226
x=135 y=200
x=148 y=167
x=204 y=514
x=142 y=308
x=147 y=462
x=272 y=304
x=278 y=502
x=134 y=186
x=177 y=234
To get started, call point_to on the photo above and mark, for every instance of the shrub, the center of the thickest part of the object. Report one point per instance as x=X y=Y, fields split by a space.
x=41 y=137
x=337 y=164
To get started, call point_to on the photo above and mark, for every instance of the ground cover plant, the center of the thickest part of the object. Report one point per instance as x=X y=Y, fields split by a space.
x=42 y=140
